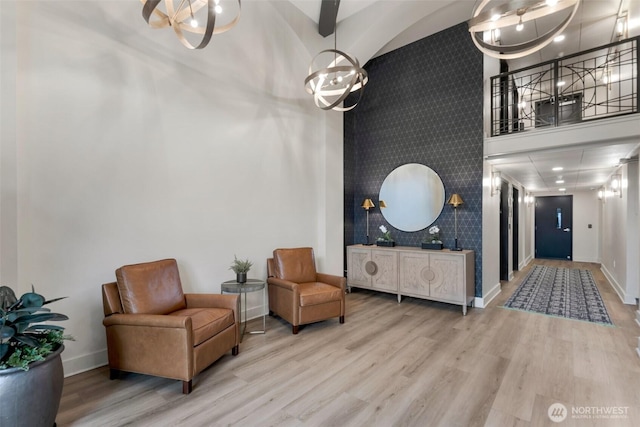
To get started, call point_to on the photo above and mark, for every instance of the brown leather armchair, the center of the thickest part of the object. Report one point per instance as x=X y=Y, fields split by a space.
x=299 y=294
x=153 y=328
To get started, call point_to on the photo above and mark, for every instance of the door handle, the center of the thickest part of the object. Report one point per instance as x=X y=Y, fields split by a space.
x=566 y=230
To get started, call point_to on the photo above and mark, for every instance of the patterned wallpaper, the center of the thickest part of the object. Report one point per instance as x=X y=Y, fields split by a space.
x=423 y=104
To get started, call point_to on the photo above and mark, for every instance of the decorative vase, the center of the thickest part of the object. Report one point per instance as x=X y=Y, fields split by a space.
x=32 y=398
x=435 y=246
x=241 y=278
x=389 y=243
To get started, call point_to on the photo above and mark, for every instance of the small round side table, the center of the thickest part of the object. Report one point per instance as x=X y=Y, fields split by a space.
x=251 y=285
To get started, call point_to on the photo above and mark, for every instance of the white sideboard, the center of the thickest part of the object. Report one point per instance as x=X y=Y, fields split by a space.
x=446 y=276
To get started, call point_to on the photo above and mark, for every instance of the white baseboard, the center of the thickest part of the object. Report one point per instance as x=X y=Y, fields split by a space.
x=617 y=287
x=482 y=302
x=84 y=363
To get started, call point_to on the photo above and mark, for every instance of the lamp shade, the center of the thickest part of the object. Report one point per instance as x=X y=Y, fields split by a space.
x=382 y=204
x=367 y=204
x=455 y=200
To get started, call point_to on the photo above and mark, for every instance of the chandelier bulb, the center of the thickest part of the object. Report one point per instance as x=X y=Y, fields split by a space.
x=520 y=25
x=218 y=9
x=193 y=22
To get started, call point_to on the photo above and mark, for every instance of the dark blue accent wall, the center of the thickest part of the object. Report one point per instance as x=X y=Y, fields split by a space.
x=423 y=104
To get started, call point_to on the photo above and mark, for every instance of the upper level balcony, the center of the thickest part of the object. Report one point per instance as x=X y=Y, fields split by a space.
x=591 y=85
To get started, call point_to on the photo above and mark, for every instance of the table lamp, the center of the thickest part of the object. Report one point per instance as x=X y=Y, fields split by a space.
x=455 y=200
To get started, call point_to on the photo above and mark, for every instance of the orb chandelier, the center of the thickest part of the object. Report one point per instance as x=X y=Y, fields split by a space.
x=332 y=84
x=192 y=16
x=486 y=25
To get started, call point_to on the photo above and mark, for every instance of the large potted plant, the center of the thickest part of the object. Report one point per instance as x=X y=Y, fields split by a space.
x=31 y=374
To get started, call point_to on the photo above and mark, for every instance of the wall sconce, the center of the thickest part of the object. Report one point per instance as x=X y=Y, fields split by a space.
x=602 y=193
x=528 y=199
x=496 y=183
x=616 y=184
x=382 y=204
x=622 y=26
x=368 y=204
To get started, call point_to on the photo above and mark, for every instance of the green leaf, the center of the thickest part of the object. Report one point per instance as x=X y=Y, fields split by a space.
x=6 y=332
x=44 y=327
x=42 y=317
x=26 y=339
x=53 y=300
x=4 y=348
x=32 y=299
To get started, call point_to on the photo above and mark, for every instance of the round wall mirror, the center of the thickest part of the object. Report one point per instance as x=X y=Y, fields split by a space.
x=414 y=196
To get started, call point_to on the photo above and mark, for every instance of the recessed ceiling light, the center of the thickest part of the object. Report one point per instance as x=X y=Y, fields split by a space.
x=557 y=168
x=562 y=189
x=560 y=181
x=559 y=38
x=561 y=83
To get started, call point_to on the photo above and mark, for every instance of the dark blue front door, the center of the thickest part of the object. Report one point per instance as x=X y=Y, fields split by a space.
x=554 y=227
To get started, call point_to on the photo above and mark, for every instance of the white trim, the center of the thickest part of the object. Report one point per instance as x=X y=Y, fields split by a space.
x=616 y=286
x=84 y=363
x=482 y=302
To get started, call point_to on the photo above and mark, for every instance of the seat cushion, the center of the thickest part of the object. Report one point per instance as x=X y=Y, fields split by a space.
x=312 y=293
x=150 y=287
x=207 y=322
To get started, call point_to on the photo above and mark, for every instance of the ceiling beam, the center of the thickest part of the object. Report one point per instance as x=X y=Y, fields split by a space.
x=328 y=16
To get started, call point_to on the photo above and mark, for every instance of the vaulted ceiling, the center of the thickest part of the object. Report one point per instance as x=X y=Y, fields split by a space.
x=368 y=28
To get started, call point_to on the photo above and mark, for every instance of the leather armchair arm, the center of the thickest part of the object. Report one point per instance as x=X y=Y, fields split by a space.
x=153 y=344
x=329 y=279
x=291 y=286
x=212 y=301
x=148 y=320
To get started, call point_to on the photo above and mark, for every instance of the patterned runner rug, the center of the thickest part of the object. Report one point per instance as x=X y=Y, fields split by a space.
x=562 y=292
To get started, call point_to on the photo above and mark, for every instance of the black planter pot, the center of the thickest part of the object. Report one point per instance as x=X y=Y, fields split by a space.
x=241 y=277
x=388 y=243
x=32 y=398
x=436 y=246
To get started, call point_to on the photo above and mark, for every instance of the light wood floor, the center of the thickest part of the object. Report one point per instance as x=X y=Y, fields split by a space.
x=417 y=363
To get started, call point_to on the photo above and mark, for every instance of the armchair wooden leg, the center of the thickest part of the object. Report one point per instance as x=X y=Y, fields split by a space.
x=341 y=319
x=187 y=386
x=295 y=329
x=114 y=374
x=235 y=350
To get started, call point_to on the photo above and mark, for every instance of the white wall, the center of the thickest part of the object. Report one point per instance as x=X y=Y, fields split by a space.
x=490 y=204
x=129 y=148
x=619 y=237
x=586 y=240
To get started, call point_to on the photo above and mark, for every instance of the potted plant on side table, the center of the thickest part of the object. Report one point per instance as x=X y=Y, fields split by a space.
x=31 y=374
x=241 y=268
